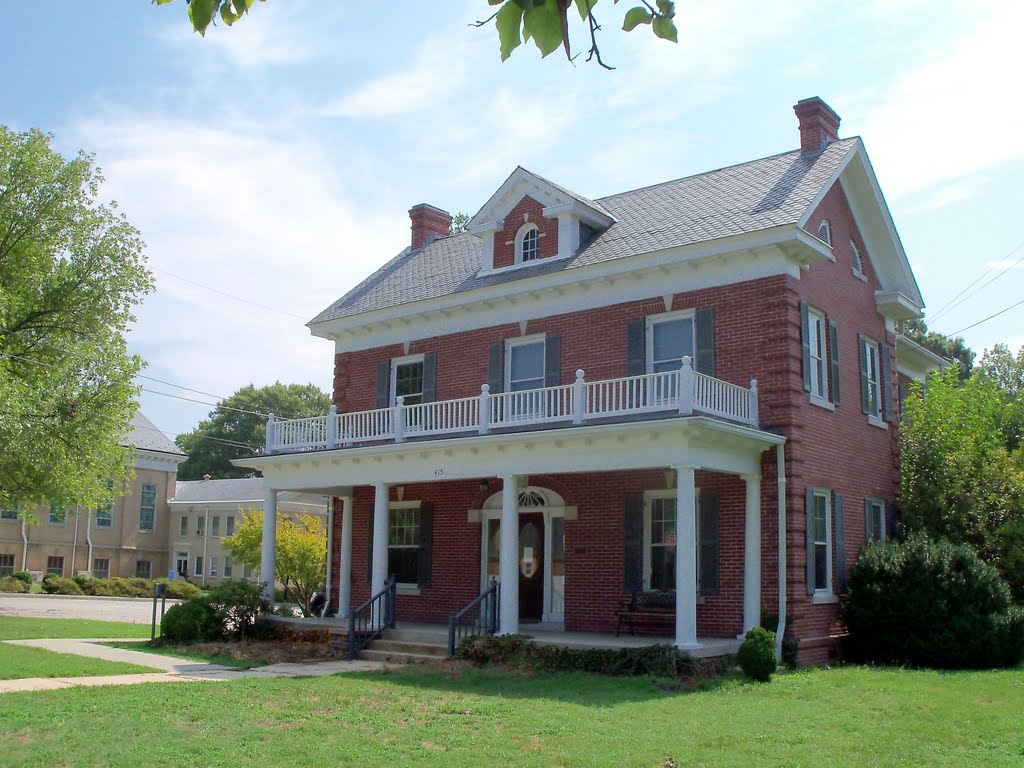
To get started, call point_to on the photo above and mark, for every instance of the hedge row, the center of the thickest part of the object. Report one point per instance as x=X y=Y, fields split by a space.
x=117 y=587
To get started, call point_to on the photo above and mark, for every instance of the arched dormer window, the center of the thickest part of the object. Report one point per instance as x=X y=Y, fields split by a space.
x=825 y=232
x=527 y=243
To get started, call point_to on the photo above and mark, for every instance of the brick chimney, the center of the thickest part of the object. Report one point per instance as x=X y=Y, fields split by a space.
x=428 y=224
x=819 y=125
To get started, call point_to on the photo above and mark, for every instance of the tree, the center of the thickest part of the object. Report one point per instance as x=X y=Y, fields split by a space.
x=237 y=427
x=1006 y=372
x=459 y=223
x=71 y=272
x=546 y=22
x=954 y=349
x=301 y=558
x=958 y=480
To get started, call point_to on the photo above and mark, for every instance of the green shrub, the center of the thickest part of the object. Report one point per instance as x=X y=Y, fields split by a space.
x=24 y=576
x=11 y=584
x=143 y=587
x=179 y=589
x=58 y=585
x=191 y=622
x=757 y=654
x=81 y=581
x=237 y=603
x=930 y=604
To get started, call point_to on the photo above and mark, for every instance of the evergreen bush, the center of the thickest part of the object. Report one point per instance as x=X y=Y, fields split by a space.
x=191 y=622
x=13 y=585
x=24 y=576
x=757 y=654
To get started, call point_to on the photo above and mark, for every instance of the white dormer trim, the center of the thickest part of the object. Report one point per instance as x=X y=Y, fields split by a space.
x=485 y=232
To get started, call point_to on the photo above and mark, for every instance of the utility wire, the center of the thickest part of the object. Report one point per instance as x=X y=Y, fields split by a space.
x=950 y=305
x=985 y=320
x=230 y=295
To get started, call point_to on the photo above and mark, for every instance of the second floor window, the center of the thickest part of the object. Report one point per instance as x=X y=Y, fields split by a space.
x=215 y=527
x=229 y=530
x=8 y=513
x=870 y=377
x=407 y=379
x=524 y=364
x=105 y=516
x=183 y=526
x=816 y=336
x=200 y=526
x=669 y=340
x=147 y=508
x=57 y=514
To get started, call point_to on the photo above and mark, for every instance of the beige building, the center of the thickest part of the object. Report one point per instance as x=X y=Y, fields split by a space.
x=128 y=538
x=205 y=512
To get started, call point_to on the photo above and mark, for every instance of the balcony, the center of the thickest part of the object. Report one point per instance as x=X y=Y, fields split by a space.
x=684 y=392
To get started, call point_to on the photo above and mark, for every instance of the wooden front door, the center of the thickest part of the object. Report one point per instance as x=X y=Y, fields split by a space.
x=531 y=566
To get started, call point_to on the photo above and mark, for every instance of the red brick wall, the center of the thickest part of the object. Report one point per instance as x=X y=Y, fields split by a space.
x=525 y=210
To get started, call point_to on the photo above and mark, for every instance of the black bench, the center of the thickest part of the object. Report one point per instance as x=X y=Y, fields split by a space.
x=652 y=607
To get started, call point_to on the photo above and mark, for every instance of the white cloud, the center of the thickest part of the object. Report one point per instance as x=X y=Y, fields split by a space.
x=954 y=115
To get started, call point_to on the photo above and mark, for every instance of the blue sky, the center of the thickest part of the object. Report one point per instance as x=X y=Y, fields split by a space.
x=276 y=160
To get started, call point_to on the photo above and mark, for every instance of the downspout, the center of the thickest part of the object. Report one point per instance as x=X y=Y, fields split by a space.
x=330 y=550
x=780 y=470
x=88 y=539
x=24 y=538
x=74 y=541
x=206 y=540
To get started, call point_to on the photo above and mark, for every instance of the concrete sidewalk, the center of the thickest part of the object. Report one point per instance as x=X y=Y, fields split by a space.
x=175 y=670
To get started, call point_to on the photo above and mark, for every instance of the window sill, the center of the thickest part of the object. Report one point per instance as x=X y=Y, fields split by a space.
x=877 y=422
x=407 y=589
x=860 y=275
x=824 y=598
x=821 y=402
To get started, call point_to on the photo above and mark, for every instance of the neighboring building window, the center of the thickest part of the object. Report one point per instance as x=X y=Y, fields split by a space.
x=227 y=565
x=869 y=361
x=6 y=565
x=246 y=572
x=661 y=528
x=527 y=244
x=407 y=379
x=57 y=515
x=201 y=526
x=669 y=340
x=825 y=232
x=858 y=265
x=181 y=563
x=147 y=508
x=215 y=526
x=8 y=513
x=183 y=526
x=105 y=516
x=404 y=544
x=822 y=533
x=55 y=564
x=874 y=520
x=816 y=335
x=229 y=527
x=213 y=566
x=199 y=566
x=143 y=569
x=101 y=567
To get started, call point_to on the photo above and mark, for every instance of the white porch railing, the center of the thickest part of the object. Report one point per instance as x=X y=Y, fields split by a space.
x=684 y=391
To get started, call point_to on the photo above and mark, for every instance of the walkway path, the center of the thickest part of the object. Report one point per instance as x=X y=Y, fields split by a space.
x=174 y=669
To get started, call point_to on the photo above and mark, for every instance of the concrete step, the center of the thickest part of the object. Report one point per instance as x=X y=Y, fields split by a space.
x=425 y=636
x=369 y=654
x=400 y=646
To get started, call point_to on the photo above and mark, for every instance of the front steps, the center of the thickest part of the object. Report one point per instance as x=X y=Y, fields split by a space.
x=403 y=646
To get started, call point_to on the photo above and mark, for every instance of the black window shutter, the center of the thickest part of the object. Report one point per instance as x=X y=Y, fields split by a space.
x=369 y=548
x=809 y=508
x=552 y=361
x=633 y=543
x=833 y=361
x=709 y=516
x=885 y=393
x=636 y=356
x=704 y=322
x=496 y=366
x=423 y=562
x=869 y=533
x=890 y=520
x=805 y=346
x=430 y=377
x=839 y=537
x=863 y=372
x=384 y=384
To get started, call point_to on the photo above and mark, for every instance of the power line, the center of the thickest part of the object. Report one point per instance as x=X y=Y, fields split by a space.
x=950 y=305
x=985 y=320
x=229 y=295
x=232 y=443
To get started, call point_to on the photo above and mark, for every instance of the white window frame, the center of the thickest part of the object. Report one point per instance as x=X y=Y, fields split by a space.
x=873 y=358
x=670 y=493
x=857 y=261
x=823 y=594
x=879 y=504
x=211 y=566
x=668 y=317
x=201 y=525
x=406 y=587
x=817 y=329
x=519 y=241
x=179 y=558
x=827 y=226
x=142 y=506
x=397 y=362
x=525 y=341
x=183 y=526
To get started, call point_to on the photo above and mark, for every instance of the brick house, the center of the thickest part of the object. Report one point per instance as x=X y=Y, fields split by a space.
x=688 y=388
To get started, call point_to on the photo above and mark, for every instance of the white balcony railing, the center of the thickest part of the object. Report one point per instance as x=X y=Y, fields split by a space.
x=684 y=391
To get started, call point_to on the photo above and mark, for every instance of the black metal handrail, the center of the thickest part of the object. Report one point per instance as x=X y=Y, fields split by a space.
x=480 y=617
x=368 y=622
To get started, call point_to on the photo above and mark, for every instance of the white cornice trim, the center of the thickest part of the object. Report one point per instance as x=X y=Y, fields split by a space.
x=163 y=462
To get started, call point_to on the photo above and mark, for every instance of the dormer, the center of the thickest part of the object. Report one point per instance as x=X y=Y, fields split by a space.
x=530 y=220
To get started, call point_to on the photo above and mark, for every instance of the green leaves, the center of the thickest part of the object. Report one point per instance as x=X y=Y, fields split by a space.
x=544 y=23
x=635 y=17
x=201 y=13
x=508 y=21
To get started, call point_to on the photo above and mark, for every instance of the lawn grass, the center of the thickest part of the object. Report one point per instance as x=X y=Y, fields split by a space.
x=19 y=662
x=209 y=658
x=853 y=716
x=23 y=628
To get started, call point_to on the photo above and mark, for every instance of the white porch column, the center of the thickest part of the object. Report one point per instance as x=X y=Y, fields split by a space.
x=508 y=560
x=686 y=560
x=345 y=561
x=379 y=567
x=752 y=556
x=269 y=552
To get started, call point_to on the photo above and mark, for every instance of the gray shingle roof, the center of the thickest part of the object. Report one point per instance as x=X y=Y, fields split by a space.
x=249 y=489
x=729 y=201
x=145 y=436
